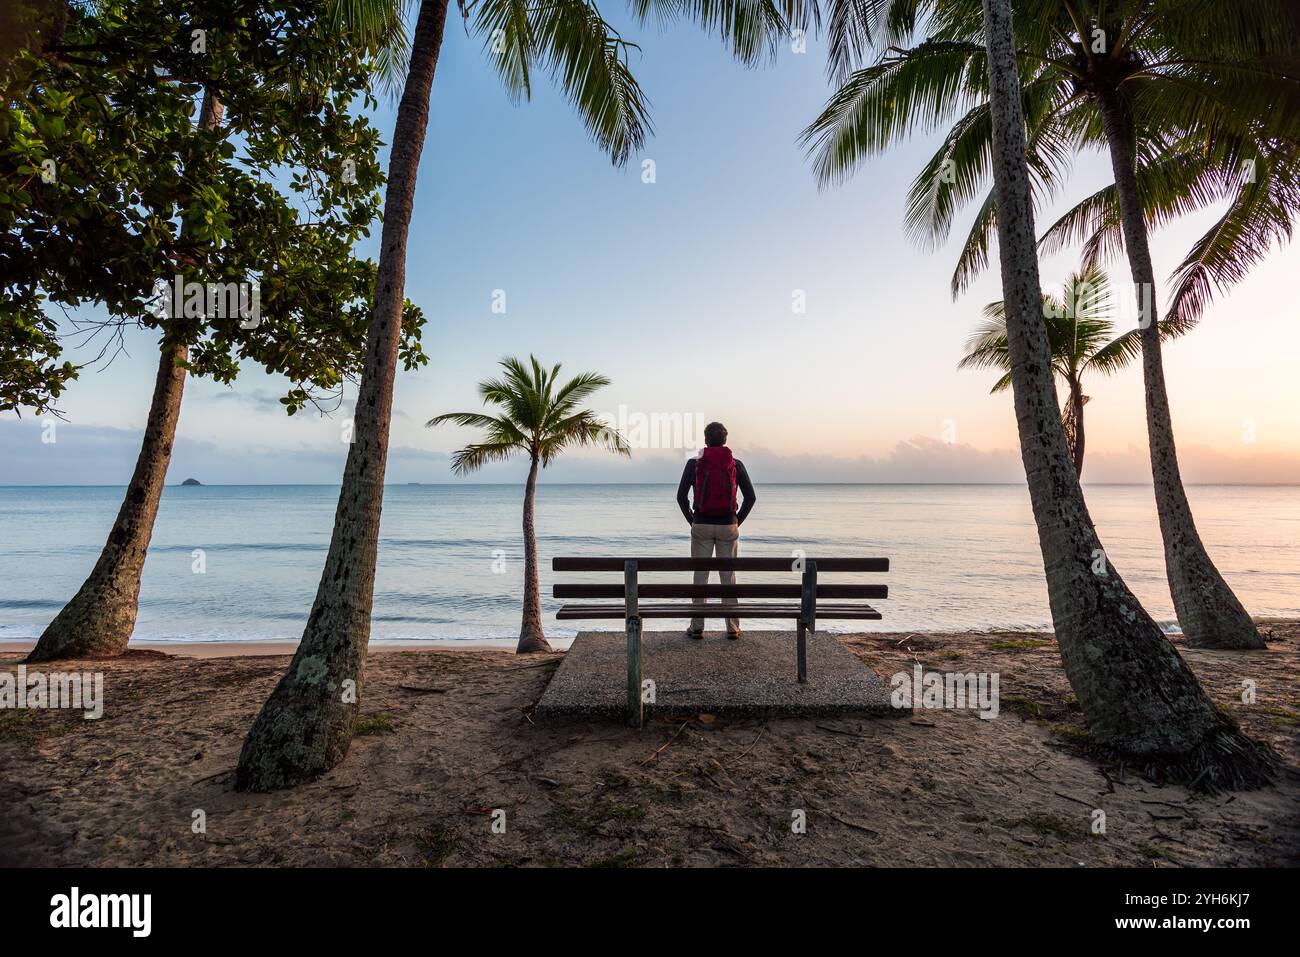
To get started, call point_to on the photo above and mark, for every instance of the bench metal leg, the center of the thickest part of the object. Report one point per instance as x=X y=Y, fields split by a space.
x=802 y=643
x=807 y=615
x=635 y=706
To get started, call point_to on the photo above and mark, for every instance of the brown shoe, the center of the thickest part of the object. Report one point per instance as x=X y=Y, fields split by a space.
x=697 y=635
x=734 y=635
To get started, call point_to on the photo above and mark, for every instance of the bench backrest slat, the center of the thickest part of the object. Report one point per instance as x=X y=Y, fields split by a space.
x=646 y=591
x=789 y=565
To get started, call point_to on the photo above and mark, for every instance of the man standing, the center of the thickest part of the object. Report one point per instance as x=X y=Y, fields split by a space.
x=714 y=475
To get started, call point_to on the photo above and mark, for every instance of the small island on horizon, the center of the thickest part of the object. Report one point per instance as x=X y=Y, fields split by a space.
x=191 y=481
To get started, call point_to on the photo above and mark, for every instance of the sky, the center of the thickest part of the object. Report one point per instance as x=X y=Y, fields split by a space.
x=683 y=292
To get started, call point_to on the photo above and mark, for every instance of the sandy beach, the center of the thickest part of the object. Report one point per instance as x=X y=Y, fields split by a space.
x=447 y=738
x=260 y=649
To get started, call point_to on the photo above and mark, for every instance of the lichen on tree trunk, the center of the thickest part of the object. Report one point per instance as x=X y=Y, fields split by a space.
x=1138 y=695
x=305 y=727
x=1209 y=613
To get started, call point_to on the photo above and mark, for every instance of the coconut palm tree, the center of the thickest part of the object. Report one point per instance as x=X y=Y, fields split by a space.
x=539 y=419
x=1139 y=697
x=1080 y=338
x=305 y=727
x=1131 y=77
x=1137 y=693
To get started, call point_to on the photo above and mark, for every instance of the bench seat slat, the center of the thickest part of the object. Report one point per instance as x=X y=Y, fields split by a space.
x=718 y=610
x=665 y=564
x=743 y=590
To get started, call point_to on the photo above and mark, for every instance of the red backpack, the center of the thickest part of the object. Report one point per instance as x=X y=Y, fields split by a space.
x=715 y=482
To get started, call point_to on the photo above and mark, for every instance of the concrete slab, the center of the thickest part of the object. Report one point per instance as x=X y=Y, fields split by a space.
x=752 y=677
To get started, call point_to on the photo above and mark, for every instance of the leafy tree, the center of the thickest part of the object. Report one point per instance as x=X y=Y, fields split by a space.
x=108 y=187
x=31 y=375
x=536 y=419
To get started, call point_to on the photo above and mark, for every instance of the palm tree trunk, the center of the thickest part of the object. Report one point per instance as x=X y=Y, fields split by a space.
x=1210 y=614
x=99 y=619
x=1138 y=696
x=532 y=637
x=305 y=727
x=1076 y=403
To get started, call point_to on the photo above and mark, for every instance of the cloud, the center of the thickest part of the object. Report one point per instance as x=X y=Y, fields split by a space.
x=100 y=455
x=1199 y=464
x=262 y=400
x=918 y=459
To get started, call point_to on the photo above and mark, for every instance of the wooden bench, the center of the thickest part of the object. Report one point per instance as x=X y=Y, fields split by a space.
x=800 y=602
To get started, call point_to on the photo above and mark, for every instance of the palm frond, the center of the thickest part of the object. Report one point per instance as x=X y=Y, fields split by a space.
x=1172 y=186
x=908 y=91
x=751 y=29
x=1118 y=354
x=1049 y=155
x=1259 y=218
x=580 y=387
x=975 y=251
x=856 y=27
x=582 y=429
x=590 y=62
x=380 y=26
x=473 y=457
x=987 y=347
x=586 y=57
x=536 y=418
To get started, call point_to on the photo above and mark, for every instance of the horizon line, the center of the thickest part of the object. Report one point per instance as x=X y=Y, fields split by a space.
x=667 y=484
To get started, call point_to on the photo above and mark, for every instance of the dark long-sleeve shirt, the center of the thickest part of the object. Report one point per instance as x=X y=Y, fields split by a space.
x=742 y=482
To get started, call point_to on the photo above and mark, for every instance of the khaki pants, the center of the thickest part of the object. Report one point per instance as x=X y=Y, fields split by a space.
x=715 y=541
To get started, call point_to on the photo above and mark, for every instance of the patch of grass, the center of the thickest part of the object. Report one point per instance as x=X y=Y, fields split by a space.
x=627 y=857
x=1073 y=733
x=1150 y=850
x=1284 y=716
x=566 y=817
x=614 y=779
x=435 y=845
x=70 y=722
x=1020 y=644
x=1019 y=704
x=674 y=791
x=1072 y=702
x=628 y=813
x=381 y=723
x=1048 y=825
x=17 y=725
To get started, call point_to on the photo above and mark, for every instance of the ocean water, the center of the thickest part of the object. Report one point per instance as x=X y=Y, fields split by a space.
x=450 y=557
